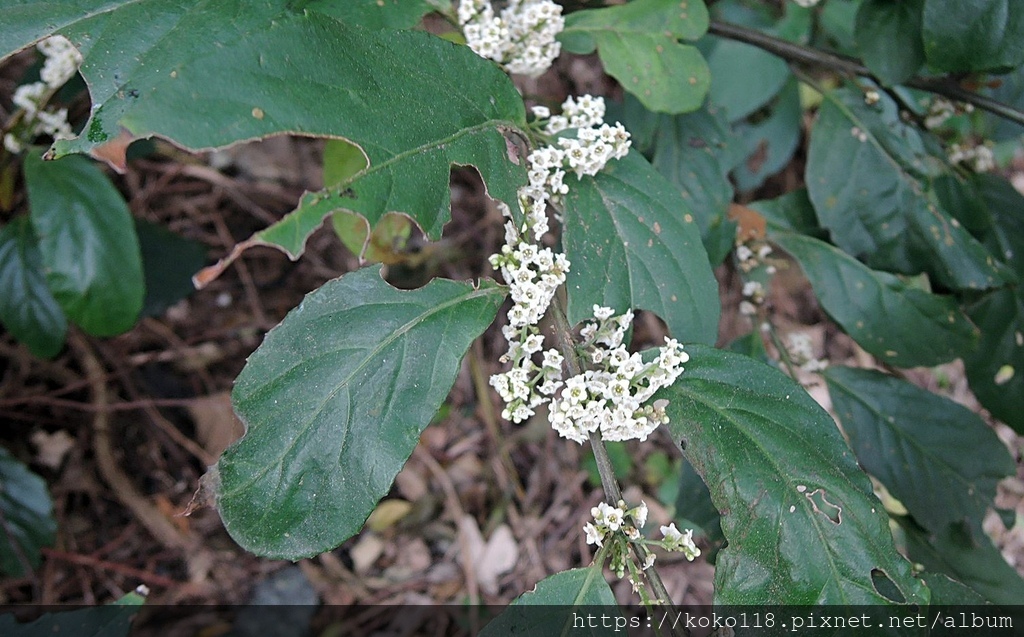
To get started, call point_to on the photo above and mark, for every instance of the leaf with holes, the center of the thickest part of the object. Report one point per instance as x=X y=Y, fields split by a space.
x=87 y=241
x=800 y=518
x=27 y=307
x=335 y=400
x=212 y=73
x=638 y=44
x=939 y=459
x=901 y=325
x=633 y=243
x=550 y=609
x=26 y=517
x=868 y=174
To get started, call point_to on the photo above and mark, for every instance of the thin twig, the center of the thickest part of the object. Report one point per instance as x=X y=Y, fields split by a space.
x=152 y=579
x=945 y=86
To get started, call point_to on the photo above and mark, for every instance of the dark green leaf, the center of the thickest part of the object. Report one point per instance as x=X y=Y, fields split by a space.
x=800 y=518
x=867 y=174
x=889 y=38
x=974 y=35
x=27 y=307
x=696 y=151
x=88 y=244
x=938 y=458
x=792 y=212
x=374 y=14
x=211 y=73
x=638 y=46
x=968 y=556
x=112 y=620
x=838 y=18
x=694 y=507
x=334 y=402
x=771 y=142
x=551 y=607
x=27 y=523
x=169 y=261
x=633 y=242
x=743 y=77
x=949 y=592
x=995 y=368
x=901 y=325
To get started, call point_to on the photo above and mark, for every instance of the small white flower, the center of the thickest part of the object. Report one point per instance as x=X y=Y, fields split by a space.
x=594 y=536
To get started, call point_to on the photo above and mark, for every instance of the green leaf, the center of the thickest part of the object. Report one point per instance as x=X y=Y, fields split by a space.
x=27 y=523
x=374 y=14
x=949 y=592
x=791 y=212
x=968 y=556
x=112 y=620
x=694 y=507
x=800 y=518
x=696 y=151
x=169 y=261
x=771 y=142
x=335 y=400
x=743 y=77
x=633 y=243
x=995 y=368
x=27 y=307
x=638 y=46
x=974 y=35
x=867 y=174
x=889 y=38
x=211 y=73
x=550 y=609
x=88 y=244
x=901 y=325
x=938 y=458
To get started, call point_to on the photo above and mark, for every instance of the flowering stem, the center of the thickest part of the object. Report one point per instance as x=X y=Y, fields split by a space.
x=943 y=85
x=563 y=336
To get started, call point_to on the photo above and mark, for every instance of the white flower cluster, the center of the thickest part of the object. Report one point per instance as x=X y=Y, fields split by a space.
x=753 y=298
x=801 y=350
x=61 y=63
x=807 y=4
x=533 y=273
x=522 y=38
x=942 y=109
x=611 y=397
x=980 y=157
x=682 y=542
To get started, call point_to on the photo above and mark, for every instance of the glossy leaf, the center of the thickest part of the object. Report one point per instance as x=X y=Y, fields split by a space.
x=901 y=325
x=27 y=524
x=27 y=307
x=936 y=457
x=112 y=620
x=974 y=35
x=800 y=518
x=87 y=241
x=335 y=400
x=638 y=46
x=550 y=608
x=695 y=151
x=867 y=175
x=889 y=38
x=995 y=368
x=967 y=555
x=211 y=73
x=633 y=242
